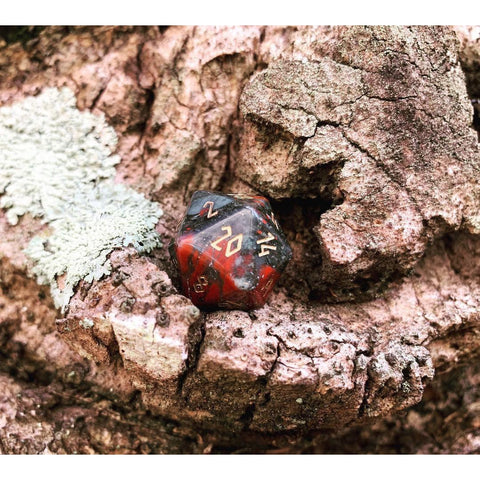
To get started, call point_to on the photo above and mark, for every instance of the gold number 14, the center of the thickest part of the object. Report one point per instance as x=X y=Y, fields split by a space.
x=265 y=248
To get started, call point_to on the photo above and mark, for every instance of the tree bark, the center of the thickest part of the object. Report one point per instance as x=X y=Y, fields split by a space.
x=363 y=139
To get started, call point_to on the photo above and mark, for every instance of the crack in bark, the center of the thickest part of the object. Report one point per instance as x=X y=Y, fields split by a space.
x=142 y=143
x=192 y=361
x=385 y=171
x=99 y=95
x=363 y=408
x=391 y=99
x=249 y=413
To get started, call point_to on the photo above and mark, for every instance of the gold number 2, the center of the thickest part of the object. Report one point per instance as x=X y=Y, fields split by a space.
x=236 y=240
x=210 y=212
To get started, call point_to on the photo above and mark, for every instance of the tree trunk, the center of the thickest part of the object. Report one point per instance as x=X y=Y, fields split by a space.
x=362 y=137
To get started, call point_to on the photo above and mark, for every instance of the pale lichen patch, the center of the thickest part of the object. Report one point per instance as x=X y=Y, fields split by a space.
x=56 y=163
x=48 y=151
x=86 y=323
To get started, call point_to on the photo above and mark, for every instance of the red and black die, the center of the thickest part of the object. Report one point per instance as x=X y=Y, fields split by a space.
x=230 y=250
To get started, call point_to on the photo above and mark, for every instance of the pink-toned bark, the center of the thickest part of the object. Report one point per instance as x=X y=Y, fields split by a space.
x=363 y=139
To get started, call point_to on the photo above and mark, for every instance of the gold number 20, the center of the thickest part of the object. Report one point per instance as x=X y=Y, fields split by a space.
x=233 y=245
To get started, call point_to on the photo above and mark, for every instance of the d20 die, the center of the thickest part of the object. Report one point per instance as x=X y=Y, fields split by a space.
x=230 y=250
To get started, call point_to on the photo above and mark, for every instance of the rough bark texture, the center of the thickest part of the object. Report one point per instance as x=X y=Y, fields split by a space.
x=469 y=37
x=363 y=139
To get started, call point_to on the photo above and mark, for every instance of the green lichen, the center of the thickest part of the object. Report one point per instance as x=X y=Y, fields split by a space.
x=56 y=163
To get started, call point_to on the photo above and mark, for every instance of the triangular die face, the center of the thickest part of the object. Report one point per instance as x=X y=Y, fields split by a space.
x=228 y=236
x=257 y=202
x=206 y=209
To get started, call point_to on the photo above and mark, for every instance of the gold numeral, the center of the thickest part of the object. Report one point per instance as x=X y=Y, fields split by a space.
x=215 y=245
x=267 y=285
x=210 y=212
x=265 y=249
x=202 y=282
x=236 y=240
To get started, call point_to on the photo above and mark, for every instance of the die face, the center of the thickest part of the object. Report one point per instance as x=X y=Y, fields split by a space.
x=229 y=251
x=207 y=209
x=270 y=245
